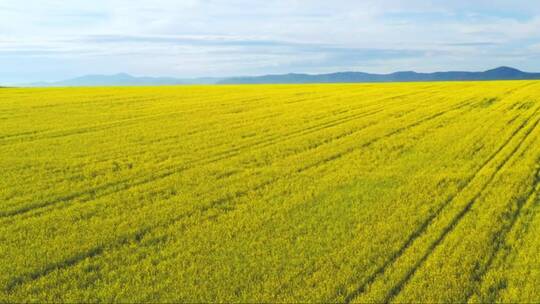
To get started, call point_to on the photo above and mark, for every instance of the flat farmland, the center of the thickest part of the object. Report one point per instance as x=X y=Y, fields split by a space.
x=408 y=192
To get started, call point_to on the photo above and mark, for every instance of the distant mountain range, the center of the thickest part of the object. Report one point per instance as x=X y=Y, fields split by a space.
x=501 y=73
x=122 y=79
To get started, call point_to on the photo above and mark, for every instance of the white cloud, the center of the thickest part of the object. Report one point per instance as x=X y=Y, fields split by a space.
x=200 y=37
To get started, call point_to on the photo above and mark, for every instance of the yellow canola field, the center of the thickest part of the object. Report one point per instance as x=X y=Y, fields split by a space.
x=409 y=192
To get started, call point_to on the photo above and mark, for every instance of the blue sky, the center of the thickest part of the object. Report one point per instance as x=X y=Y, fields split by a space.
x=53 y=40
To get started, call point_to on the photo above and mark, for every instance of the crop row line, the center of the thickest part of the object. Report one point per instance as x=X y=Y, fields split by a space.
x=390 y=134
x=214 y=204
x=125 y=183
x=359 y=290
x=423 y=227
x=20 y=137
x=273 y=138
x=397 y=288
x=501 y=239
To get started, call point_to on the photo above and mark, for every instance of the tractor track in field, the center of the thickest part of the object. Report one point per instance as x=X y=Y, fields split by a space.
x=269 y=136
x=269 y=140
x=124 y=184
x=134 y=237
x=501 y=237
x=422 y=228
x=390 y=134
x=164 y=140
x=207 y=128
x=139 y=235
x=221 y=201
x=272 y=138
x=13 y=283
x=128 y=183
x=379 y=271
x=36 y=135
x=394 y=291
x=315 y=118
x=516 y=116
x=32 y=136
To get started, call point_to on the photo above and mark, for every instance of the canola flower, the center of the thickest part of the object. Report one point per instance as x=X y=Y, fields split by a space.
x=408 y=192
